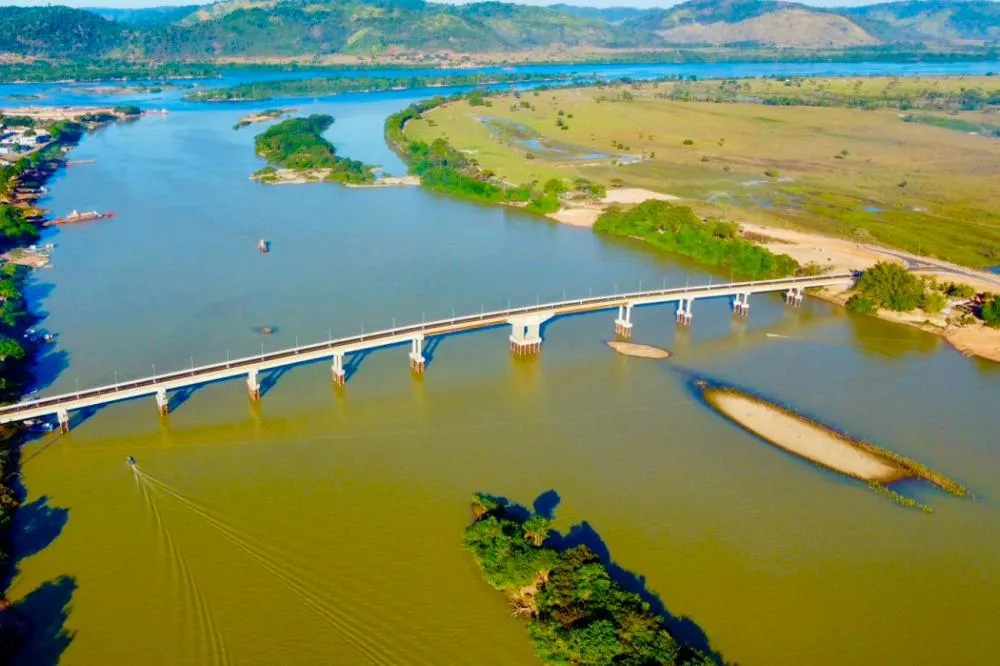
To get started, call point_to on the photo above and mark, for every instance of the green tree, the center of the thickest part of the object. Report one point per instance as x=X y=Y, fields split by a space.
x=991 y=310
x=891 y=286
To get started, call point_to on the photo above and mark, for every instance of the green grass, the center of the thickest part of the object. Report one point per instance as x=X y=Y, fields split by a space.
x=860 y=174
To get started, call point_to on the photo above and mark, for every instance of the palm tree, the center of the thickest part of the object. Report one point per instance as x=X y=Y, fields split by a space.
x=536 y=529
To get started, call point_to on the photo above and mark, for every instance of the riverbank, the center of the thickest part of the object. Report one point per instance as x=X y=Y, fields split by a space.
x=494 y=149
x=22 y=183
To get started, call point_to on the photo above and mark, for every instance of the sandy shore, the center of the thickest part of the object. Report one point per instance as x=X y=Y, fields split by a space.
x=802 y=437
x=637 y=350
x=586 y=214
x=390 y=181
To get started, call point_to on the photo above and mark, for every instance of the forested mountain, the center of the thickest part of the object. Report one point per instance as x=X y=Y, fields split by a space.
x=260 y=28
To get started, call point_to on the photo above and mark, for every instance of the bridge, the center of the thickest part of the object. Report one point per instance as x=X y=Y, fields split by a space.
x=525 y=338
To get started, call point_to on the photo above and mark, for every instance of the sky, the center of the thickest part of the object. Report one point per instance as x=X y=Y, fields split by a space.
x=582 y=3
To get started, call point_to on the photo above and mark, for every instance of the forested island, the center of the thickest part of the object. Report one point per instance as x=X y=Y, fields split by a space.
x=257 y=91
x=297 y=152
x=576 y=612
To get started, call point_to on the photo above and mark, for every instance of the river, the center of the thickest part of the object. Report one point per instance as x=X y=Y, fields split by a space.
x=324 y=525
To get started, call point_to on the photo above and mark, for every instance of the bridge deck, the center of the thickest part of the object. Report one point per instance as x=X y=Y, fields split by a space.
x=46 y=406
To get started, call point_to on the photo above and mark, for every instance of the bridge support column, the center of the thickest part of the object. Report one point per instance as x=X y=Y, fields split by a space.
x=63 y=417
x=794 y=296
x=526 y=335
x=623 y=325
x=741 y=305
x=162 y=402
x=684 y=314
x=417 y=360
x=339 y=374
x=253 y=386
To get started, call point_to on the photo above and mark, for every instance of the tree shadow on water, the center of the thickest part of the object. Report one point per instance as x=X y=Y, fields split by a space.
x=43 y=613
x=684 y=629
x=36 y=526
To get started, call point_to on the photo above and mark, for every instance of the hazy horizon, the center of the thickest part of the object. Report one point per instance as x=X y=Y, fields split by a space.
x=642 y=4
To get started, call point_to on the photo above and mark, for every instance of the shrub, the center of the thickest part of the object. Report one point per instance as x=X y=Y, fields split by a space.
x=861 y=305
x=687 y=142
x=991 y=310
x=891 y=286
x=933 y=301
x=955 y=290
x=772 y=173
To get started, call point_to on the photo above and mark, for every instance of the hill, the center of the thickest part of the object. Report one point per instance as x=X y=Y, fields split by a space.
x=296 y=28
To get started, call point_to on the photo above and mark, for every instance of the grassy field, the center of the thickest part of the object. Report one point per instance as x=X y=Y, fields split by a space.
x=864 y=174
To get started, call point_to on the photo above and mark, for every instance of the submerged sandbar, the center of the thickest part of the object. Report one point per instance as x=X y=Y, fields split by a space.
x=637 y=350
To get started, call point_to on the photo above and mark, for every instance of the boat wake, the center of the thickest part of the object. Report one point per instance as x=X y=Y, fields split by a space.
x=278 y=567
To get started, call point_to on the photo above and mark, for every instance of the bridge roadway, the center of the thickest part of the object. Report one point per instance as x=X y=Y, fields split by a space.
x=526 y=338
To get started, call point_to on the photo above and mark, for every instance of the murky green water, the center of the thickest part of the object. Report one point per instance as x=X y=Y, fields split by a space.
x=325 y=526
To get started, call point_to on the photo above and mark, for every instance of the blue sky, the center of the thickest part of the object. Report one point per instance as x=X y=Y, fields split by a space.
x=590 y=3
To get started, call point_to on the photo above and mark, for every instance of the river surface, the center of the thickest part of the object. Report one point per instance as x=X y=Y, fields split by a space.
x=324 y=526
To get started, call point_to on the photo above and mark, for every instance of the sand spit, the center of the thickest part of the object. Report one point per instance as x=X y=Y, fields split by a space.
x=637 y=350
x=802 y=437
x=822 y=445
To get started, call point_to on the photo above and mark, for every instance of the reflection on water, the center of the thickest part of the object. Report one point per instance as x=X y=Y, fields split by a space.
x=323 y=525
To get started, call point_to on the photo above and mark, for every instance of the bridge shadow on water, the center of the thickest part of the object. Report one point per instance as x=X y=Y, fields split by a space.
x=684 y=629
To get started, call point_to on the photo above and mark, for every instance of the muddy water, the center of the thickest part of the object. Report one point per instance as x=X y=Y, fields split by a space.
x=324 y=526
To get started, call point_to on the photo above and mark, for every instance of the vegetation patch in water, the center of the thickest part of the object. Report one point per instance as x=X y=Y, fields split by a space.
x=823 y=445
x=577 y=614
x=297 y=144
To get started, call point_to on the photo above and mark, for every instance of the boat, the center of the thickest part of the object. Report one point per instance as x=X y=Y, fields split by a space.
x=131 y=461
x=85 y=216
x=263 y=246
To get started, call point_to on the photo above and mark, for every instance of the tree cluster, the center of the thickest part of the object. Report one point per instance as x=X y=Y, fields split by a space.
x=677 y=229
x=577 y=614
x=298 y=144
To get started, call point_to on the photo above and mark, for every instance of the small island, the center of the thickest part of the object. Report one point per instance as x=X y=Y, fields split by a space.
x=577 y=612
x=296 y=152
x=261 y=117
x=259 y=91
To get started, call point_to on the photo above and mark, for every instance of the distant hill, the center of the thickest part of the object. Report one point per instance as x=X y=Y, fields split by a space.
x=935 y=21
x=146 y=16
x=263 y=28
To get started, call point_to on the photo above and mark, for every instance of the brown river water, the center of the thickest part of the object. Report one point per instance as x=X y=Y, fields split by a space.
x=324 y=526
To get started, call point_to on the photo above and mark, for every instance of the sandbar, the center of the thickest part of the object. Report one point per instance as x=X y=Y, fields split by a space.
x=637 y=350
x=803 y=437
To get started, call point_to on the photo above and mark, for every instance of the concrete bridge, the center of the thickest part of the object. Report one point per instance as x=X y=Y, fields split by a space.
x=525 y=338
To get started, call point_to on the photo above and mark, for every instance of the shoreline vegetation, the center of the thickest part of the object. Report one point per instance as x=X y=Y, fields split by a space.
x=296 y=151
x=482 y=146
x=576 y=612
x=258 y=91
x=823 y=446
x=21 y=185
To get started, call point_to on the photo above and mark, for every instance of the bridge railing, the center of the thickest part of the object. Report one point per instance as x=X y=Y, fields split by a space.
x=399 y=331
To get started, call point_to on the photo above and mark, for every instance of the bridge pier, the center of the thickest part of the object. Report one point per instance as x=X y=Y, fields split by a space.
x=623 y=325
x=684 y=314
x=339 y=374
x=417 y=360
x=794 y=296
x=63 y=417
x=162 y=402
x=526 y=335
x=741 y=305
x=253 y=386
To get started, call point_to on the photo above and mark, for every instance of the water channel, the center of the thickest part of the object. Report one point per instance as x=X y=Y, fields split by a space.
x=324 y=526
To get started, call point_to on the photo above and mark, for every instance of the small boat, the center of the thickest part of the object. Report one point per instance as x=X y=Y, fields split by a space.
x=131 y=461
x=75 y=216
x=263 y=246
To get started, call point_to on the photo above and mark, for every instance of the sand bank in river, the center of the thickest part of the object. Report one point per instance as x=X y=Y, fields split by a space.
x=822 y=445
x=637 y=350
x=802 y=437
x=585 y=215
x=390 y=181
